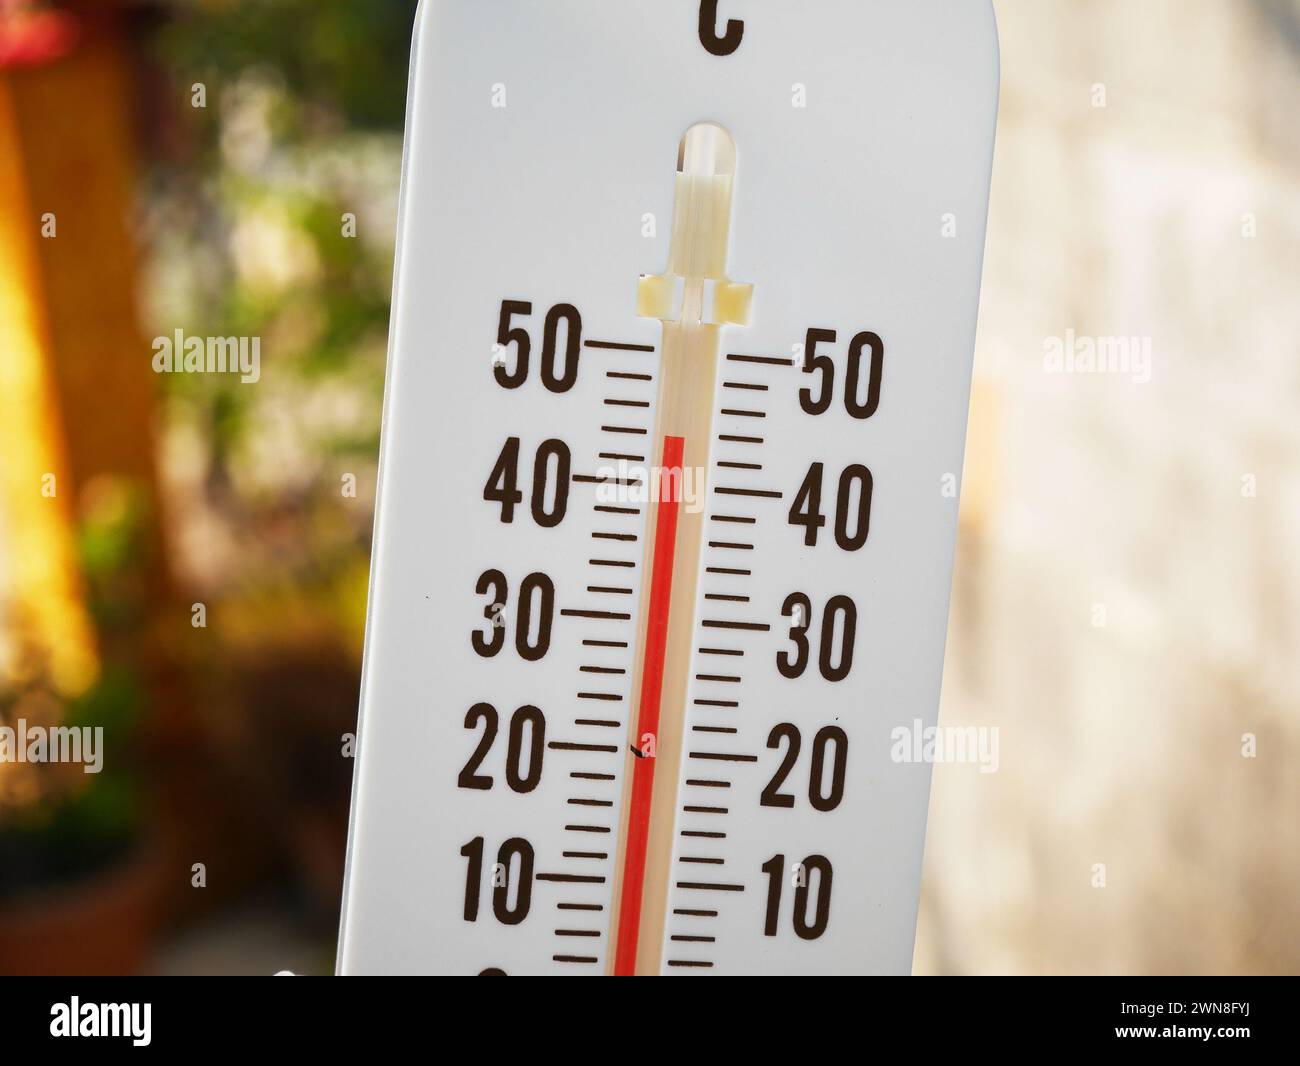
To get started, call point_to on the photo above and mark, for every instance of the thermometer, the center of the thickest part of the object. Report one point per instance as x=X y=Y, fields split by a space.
x=683 y=319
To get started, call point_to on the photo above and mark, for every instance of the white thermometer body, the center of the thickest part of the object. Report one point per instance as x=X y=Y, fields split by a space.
x=682 y=335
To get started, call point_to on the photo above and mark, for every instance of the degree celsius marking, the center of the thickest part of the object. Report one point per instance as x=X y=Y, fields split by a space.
x=719 y=44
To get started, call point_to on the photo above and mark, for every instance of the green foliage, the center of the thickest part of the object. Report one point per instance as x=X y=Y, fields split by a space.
x=305 y=104
x=81 y=822
x=346 y=58
x=96 y=820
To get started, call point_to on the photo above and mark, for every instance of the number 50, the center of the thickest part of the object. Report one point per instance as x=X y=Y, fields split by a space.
x=864 y=345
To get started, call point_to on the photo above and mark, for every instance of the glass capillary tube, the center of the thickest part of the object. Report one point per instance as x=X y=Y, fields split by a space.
x=694 y=299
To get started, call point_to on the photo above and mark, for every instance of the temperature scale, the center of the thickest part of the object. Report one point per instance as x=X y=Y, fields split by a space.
x=681 y=348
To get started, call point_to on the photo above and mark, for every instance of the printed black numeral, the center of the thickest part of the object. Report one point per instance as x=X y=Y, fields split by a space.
x=559 y=370
x=839 y=630
x=809 y=923
x=536 y=605
x=865 y=346
x=507 y=875
x=830 y=745
x=552 y=475
x=852 y=517
x=525 y=748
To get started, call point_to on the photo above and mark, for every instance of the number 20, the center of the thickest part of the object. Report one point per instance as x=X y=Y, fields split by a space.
x=829 y=737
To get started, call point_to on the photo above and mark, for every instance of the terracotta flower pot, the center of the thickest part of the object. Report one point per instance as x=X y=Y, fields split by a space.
x=102 y=925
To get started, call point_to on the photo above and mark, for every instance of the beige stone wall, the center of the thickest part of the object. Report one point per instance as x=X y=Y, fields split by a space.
x=1125 y=609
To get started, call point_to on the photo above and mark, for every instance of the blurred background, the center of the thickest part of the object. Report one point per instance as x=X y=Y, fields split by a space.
x=183 y=558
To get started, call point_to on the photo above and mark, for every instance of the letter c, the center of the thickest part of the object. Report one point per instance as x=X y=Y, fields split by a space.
x=729 y=41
